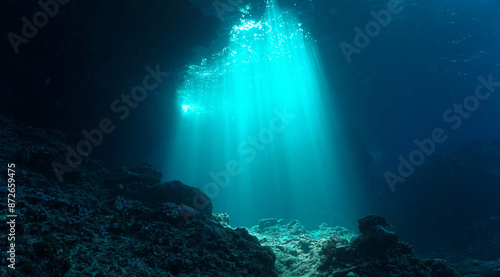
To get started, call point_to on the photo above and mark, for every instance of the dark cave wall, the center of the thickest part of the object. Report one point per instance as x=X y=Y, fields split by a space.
x=89 y=54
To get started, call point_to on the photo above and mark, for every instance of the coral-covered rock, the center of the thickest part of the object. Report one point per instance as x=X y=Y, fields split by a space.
x=143 y=183
x=114 y=223
x=377 y=252
x=336 y=251
x=221 y=218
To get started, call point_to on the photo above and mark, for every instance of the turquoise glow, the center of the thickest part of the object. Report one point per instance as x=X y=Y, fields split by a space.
x=256 y=131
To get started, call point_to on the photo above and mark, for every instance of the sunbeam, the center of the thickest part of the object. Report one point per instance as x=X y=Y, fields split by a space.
x=256 y=132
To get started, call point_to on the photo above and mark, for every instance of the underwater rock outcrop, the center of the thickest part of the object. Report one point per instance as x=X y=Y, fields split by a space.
x=336 y=251
x=126 y=222
x=100 y=222
x=143 y=183
x=378 y=252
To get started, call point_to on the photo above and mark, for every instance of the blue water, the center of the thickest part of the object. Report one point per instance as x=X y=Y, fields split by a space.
x=414 y=63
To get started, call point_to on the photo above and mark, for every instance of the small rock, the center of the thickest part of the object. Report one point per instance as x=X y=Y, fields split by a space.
x=268 y=222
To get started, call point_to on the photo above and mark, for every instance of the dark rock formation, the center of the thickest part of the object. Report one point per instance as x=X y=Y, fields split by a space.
x=339 y=252
x=143 y=183
x=100 y=222
x=377 y=252
x=376 y=234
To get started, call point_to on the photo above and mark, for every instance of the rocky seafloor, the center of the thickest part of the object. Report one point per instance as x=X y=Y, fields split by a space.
x=126 y=222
